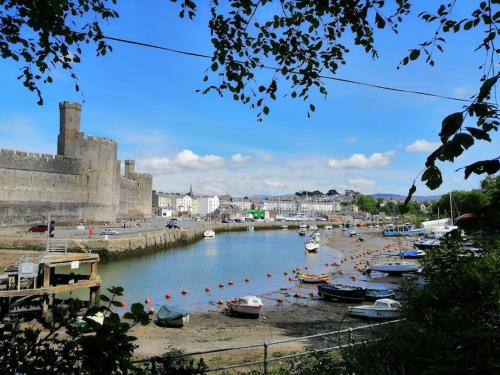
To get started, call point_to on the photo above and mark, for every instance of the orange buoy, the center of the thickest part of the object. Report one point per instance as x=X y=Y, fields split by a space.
x=269 y=274
x=207 y=289
x=297 y=295
x=220 y=302
x=167 y=296
x=184 y=292
x=247 y=279
x=147 y=301
x=230 y=282
x=279 y=300
x=226 y=308
x=353 y=277
x=290 y=279
x=123 y=303
x=285 y=273
x=151 y=310
x=221 y=285
x=306 y=268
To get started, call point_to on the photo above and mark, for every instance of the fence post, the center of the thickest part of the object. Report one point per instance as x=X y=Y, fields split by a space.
x=350 y=336
x=265 y=358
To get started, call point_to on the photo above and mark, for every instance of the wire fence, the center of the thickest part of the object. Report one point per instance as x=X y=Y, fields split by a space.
x=266 y=347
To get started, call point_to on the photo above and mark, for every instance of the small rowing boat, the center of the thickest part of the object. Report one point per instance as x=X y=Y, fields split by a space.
x=172 y=316
x=309 y=278
x=332 y=292
x=246 y=306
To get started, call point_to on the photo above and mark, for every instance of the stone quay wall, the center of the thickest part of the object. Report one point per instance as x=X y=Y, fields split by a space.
x=137 y=244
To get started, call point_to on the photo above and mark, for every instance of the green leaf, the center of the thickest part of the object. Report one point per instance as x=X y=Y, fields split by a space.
x=265 y=110
x=450 y=125
x=479 y=134
x=414 y=54
x=484 y=91
x=137 y=309
x=412 y=190
x=312 y=107
x=214 y=67
x=484 y=166
x=104 y=298
x=432 y=177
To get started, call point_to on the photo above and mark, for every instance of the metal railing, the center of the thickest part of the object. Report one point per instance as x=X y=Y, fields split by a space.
x=265 y=361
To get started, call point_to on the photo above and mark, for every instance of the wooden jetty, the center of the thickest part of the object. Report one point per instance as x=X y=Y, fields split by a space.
x=35 y=279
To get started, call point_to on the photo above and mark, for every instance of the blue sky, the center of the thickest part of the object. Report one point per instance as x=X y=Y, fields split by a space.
x=146 y=100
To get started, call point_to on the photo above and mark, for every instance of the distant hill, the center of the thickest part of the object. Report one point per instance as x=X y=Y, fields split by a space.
x=418 y=198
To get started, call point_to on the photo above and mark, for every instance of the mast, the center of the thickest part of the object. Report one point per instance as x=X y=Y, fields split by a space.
x=451 y=210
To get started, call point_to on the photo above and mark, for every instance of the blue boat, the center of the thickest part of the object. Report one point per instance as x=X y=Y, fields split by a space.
x=403 y=230
x=412 y=254
x=375 y=294
x=344 y=293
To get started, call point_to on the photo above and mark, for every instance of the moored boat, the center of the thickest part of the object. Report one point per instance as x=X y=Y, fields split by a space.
x=375 y=294
x=394 y=268
x=328 y=226
x=310 y=278
x=172 y=316
x=311 y=245
x=344 y=293
x=384 y=308
x=284 y=227
x=246 y=306
x=302 y=232
x=412 y=254
x=209 y=233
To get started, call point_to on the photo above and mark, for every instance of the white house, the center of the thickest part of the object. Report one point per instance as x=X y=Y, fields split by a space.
x=183 y=203
x=207 y=205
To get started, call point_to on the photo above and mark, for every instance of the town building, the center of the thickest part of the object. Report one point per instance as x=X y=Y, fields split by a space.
x=207 y=205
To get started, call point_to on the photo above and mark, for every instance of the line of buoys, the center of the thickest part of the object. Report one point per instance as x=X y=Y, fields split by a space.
x=167 y=296
x=184 y=292
x=230 y=282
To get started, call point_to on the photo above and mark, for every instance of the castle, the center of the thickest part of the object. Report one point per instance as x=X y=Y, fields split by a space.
x=82 y=182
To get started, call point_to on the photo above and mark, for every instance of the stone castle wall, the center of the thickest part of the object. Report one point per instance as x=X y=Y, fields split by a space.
x=82 y=182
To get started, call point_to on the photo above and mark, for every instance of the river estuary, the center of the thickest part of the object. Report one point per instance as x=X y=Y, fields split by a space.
x=210 y=262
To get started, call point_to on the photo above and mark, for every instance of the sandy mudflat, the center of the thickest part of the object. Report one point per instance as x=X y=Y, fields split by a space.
x=295 y=317
x=8 y=257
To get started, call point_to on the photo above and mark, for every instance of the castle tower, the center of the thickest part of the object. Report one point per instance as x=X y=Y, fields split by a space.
x=129 y=167
x=69 y=129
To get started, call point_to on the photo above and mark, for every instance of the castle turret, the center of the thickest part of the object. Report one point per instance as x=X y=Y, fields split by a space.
x=69 y=129
x=129 y=167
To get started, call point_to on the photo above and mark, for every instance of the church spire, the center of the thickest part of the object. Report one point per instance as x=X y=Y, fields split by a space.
x=190 y=190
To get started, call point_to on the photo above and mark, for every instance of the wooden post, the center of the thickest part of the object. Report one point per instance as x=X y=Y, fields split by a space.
x=48 y=300
x=93 y=296
x=93 y=270
x=46 y=276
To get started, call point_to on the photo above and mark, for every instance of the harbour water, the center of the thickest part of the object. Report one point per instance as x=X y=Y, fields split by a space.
x=210 y=262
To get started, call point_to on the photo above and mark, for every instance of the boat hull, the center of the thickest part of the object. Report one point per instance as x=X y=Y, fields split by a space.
x=313 y=279
x=375 y=294
x=246 y=311
x=330 y=292
x=371 y=313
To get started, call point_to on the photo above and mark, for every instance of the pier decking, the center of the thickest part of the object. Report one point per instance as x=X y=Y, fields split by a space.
x=36 y=277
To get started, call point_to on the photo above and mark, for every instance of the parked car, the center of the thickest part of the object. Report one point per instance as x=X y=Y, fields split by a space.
x=42 y=228
x=173 y=224
x=108 y=232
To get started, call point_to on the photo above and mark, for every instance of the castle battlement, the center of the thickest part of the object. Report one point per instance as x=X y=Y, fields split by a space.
x=81 y=182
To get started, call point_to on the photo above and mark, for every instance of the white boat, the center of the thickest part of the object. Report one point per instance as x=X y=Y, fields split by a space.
x=284 y=227
x=384 y=308
x=303 y=226
x=328 y=226
x=394 y=268
x=311 y=245
x=250 y=228
x=248 y=305
x=313 y=227
x=209 y=233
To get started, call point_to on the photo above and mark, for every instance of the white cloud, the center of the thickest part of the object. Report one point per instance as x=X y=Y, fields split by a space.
x=422 y=145
x=189 y=160
x=350 y=140
x=184 y=160
x=357 y=161
x=239 y=158
x=362 y=185
x=267 y=157
x=274 y=184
